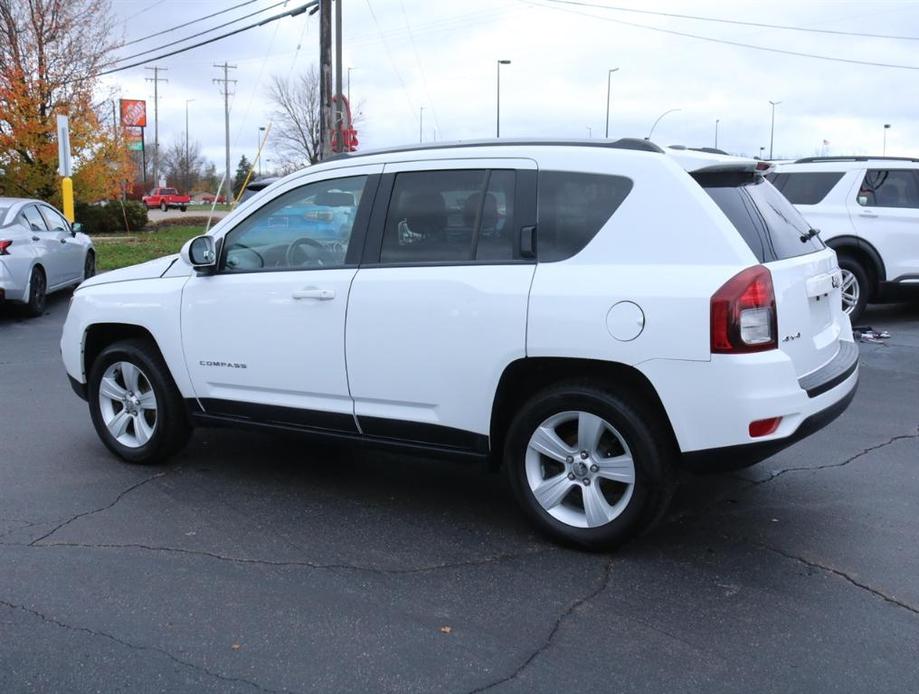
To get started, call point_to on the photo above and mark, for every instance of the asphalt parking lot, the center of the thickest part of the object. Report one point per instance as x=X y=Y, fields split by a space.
x=254 y=563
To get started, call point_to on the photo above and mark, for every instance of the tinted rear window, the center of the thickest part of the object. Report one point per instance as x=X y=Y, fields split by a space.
x=767 y=221
x=805 y=187
x=572 y=208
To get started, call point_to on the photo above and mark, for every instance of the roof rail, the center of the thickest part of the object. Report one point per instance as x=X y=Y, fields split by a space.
x=812 y=160
x=707 y=150
x=632 y=143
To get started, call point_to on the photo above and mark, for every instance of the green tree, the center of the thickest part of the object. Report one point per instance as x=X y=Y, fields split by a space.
x=242 y=170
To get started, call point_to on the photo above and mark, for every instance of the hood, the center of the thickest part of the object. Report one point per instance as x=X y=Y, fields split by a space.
x=142 y=271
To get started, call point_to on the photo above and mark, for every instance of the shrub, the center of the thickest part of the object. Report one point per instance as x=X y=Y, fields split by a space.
x=99 y=219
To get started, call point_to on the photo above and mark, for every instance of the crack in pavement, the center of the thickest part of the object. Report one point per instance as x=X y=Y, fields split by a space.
x=695 y=512
x=294 y=563
x=863 y=452
x=841 y=574
x=604 y=584
x=101 y=634
x=118 y=498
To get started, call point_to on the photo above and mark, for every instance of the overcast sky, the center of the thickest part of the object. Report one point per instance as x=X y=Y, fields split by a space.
x=441 y=55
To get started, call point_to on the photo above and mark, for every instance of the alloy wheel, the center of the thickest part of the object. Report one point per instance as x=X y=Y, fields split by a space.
x=580 y=469
x=128 y=404
x=851 y=292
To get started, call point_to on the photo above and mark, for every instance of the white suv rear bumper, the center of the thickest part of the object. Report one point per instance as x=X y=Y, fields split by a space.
x=711 y=404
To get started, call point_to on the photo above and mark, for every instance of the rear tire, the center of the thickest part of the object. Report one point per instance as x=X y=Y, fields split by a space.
x=163 y=206
x=856 y=287
x=135 y=406
x=597 y=501
x=182 y=208
x=38 y=293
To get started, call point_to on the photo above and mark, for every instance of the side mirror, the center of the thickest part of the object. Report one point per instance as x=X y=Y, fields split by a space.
x=200 y=252
x=76 y=228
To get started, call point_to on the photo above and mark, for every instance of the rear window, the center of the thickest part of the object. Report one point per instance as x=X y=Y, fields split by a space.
x=805 y=187
x=767 y=221
x=573 y=207
x=168 y=191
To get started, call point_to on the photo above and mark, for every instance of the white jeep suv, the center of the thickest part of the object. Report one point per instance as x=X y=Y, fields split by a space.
x=590 y=316
x=867 y=210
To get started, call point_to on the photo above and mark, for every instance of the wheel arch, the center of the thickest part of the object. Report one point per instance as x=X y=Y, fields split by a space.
x=524 y=377
x=866 y=254
x=98 y=336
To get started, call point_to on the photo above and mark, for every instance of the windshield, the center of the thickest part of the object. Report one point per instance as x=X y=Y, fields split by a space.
x=771 y=226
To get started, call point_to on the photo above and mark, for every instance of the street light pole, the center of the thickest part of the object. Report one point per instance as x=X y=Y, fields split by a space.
x=420 y=124
x=772 y=127
x=716 y=132
x=498 y=108
x=673 y=110
x=886 y=128
x=258 y=152
x=609 y=73
x=187 y=163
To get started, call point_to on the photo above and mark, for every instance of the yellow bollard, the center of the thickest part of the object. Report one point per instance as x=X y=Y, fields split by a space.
x=67 y=196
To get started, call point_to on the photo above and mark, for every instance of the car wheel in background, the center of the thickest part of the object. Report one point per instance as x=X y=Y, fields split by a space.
x=182 y=208
x=89 y=265
x=135 y=406
x=855 y=287
x=38 y=293
x=588 y=466
x=163 y=206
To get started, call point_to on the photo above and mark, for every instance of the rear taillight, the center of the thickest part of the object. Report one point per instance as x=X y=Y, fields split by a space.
x=4 y=245
x=743 y=313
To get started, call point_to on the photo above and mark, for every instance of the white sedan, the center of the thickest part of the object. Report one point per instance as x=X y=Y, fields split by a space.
x=40 y=252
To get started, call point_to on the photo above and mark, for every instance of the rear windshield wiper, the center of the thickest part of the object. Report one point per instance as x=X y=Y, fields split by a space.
x=809 y=234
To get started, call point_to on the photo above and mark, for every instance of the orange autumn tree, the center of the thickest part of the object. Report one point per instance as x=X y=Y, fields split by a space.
x=51 y=52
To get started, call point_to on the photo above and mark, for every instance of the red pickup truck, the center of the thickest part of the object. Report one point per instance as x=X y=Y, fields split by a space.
x=166 y=198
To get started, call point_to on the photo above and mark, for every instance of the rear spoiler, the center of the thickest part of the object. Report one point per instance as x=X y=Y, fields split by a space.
x=758 y=168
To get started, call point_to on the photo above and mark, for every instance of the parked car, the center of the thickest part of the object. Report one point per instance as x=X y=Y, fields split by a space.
x=166 y=199
x=590 y=317
x=40 y=252
x=209 y=198
x=867 y=210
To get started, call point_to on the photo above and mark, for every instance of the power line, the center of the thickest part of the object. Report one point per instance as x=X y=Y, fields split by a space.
x=424 y=79
x=200 y=33
x=180 y=26
x=767 y=49
x=719 y=20
x=408 y=98
x=290 y=13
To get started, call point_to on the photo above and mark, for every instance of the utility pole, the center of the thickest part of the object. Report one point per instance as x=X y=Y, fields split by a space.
x=325 y=78
x=498 y=99
x=339 y=109
x=225 y=86
x=156 y=79
x=717 y=120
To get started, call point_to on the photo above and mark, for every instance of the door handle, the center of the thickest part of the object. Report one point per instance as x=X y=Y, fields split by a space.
x=868 y=214
x=36 y=238
x=314 y=293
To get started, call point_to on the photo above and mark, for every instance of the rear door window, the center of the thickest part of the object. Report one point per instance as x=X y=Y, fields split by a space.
x=889 y=188
x=805 y=187
x=767 y=221
x=462 y=215
x=33 y=218
x=572 y=208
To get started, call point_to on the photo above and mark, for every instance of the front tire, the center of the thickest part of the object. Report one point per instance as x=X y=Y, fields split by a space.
x=38 y=293
x=135 y=406
x=856 y=288
x=589 y=467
